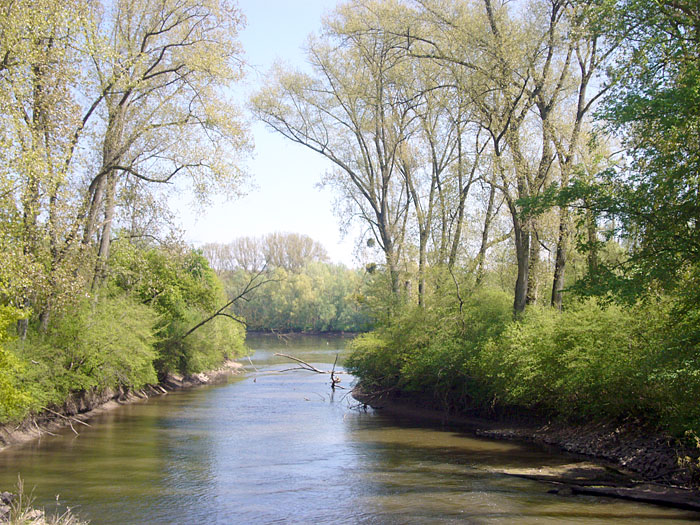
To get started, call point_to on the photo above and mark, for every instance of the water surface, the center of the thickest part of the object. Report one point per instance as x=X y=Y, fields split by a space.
x=281 y=447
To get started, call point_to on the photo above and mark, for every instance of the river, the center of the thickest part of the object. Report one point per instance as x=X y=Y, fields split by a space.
x=280 y=447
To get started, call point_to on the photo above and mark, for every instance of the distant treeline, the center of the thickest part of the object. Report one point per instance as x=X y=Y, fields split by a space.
x=303 y=292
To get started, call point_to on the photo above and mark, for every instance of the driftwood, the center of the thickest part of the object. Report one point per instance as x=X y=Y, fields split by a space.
x=67 y=418
x=334 y=379
x=303 y=365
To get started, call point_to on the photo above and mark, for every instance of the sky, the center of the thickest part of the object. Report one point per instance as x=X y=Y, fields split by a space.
x=285 y=196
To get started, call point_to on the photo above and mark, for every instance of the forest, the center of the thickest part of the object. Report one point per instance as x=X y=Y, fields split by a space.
x=527 y=177
x=525 y=174
x=301 y=291
x=104 y=106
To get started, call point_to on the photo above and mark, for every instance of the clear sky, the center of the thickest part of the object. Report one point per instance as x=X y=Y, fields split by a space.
x=285 y=197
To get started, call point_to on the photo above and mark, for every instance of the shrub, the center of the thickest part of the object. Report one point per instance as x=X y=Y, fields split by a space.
x=103 y=343
x=593 y=361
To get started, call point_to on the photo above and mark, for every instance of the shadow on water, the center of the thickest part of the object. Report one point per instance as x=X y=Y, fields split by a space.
x=271 y=447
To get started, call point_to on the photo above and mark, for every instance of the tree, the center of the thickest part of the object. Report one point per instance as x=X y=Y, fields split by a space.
x=592 y=50
x=42 y=49
x=291 y=251
x=521 y=79
x=349 y=110
x=654 y=110
x=166 y=112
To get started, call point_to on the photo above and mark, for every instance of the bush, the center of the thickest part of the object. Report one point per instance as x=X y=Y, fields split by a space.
x=432 y=349
x=103 y=343
x=594 y=361
x=580 y=362
x=13 y=399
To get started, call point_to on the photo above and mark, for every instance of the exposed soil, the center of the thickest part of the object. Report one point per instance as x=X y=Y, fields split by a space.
x=626 y=460
x=79 y=408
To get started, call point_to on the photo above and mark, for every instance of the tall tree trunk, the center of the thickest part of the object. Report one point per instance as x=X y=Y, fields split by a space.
x=533 y=283
x=423 y=242
x=560 y=262
x=592 y=231
x=522 y=254
x=97 y=194
x=105 y=239
x=103 y=182
x=481 y=257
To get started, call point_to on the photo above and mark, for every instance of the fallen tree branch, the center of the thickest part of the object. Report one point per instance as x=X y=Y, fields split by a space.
x=66 y=417
x=305 y=365
x=252 y=285
x=334 y=379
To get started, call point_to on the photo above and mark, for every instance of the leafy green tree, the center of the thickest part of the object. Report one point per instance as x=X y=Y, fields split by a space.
x=42 y=52
x=179 y=285
x=163 y=77
x=654 y=110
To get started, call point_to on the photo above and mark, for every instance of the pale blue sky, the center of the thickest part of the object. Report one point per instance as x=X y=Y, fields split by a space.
x=285 y=174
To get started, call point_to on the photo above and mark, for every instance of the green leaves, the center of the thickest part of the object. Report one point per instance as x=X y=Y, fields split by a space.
x=655 y=109
x=100 y=344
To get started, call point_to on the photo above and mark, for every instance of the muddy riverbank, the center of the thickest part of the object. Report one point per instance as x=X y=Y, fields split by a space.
x=640 y=464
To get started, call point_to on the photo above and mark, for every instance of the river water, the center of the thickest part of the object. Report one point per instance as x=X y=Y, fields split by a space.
x=280 y=447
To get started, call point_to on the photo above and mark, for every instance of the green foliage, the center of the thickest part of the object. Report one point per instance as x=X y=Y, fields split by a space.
x=169 y=280
x=320 y=297
x=13 y=399
x=103 y=343
x=135 y=326
x=593 y=361
x=204 y=349
x=578 y=362
x=433 y=349
x=178 y=284
x=653 y=108
x=596 y=362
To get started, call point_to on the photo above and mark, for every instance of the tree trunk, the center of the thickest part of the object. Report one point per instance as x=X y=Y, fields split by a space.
x=44 y=317
x=97 y=191
x=522 y=253
x=105 y=240
x=423 y=242
x=560 y=262
x=533 y=283
x=592 y=230
x=103 y=182
x=481 y=258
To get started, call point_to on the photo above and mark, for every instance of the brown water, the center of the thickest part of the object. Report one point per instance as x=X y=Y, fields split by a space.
x=272 y=447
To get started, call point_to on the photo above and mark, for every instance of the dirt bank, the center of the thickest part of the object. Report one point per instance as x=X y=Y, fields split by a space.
x=79 y=408
x=645 y=463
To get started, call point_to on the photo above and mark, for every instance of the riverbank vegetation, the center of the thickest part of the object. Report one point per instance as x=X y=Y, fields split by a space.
x=527 y=174
x=103 y=106
x=17 y=509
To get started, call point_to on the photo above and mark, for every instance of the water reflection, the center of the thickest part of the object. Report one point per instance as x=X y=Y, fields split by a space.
x=272 y=447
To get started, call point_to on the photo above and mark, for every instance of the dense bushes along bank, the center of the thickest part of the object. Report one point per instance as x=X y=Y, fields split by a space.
x=130 y=332
x=592 y=362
